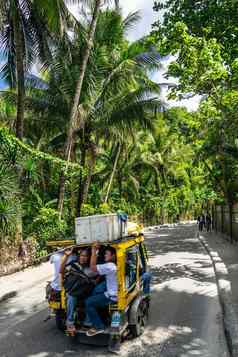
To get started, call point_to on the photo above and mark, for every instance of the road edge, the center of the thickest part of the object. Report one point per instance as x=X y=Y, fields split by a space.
x=36 y=262
x=230 y=320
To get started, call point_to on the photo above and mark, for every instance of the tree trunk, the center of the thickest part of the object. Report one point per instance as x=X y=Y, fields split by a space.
x=91 y=167
x=20 y=86
x=84 y=187
x=222 y=218
x=162 y=215
x=213 y=218
x=113 y=172
x=20 y=77
x=230 y=221
x=74 y=110
x=61 y=194
x=81 y=181
x=120 y=186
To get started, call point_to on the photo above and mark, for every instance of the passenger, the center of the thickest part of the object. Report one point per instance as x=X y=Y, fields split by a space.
x=146 y=279
x=83 y=264
x=109 y=296
x=56 y=259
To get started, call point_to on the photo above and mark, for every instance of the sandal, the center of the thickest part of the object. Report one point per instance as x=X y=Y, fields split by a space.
x=94 y=332
x=71 y=330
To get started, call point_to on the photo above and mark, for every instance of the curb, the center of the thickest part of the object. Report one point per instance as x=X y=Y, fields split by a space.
x=230 y=319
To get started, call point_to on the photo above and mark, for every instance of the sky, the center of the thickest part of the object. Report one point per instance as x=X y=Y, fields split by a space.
x=143 y=28
x=148 y=17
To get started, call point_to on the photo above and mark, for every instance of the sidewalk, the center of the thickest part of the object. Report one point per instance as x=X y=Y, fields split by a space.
x=225 y=260
x=11 y=285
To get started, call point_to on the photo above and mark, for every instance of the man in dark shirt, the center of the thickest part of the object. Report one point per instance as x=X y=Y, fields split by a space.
x=83 y=265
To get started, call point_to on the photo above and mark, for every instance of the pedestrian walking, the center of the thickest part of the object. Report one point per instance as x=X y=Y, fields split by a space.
x=201 y=222
x=208 y=222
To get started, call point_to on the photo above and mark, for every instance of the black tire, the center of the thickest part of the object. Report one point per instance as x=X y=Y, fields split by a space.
x=60 y=320
x=142 y=316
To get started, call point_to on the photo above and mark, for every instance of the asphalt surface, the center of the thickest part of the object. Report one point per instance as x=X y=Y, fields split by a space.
x=185 y=315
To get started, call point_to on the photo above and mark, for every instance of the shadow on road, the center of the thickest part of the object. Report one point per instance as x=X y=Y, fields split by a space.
x=176 y=328
x=185 y=316
x=165 y=334
x=8 y=296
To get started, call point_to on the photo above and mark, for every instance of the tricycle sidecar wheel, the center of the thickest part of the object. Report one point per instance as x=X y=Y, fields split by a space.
x=60 y=320
x=142 y=316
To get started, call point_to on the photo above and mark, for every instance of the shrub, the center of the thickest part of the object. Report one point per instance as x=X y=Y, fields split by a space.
x=9 y=204
x=48 y=226
x=104 y=208
x=7 y=218
x=87 y=210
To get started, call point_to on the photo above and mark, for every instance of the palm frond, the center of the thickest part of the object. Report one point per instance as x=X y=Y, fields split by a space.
x=7 y=48
x=131 y=20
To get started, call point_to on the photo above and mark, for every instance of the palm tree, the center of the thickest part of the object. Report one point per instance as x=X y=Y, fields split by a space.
x=131 y=63
x=134 y=170
x=25 y=30
x=120 y=117
x=74 y=114
x=21 y=41
x=117 y=99
x=113 y=172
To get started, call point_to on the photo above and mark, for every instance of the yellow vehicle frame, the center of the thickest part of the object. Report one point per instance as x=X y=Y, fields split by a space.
x=124 y=296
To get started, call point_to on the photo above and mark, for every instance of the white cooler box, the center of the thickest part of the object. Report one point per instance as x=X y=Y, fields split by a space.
x=99 y=228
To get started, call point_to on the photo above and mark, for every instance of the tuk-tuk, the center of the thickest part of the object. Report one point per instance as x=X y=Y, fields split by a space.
x=130 y=314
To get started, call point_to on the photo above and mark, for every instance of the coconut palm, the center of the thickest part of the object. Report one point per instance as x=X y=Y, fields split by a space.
x=25 y=30
x=124 y=64
x=133 y=170
x=74 y=114
x=122 y=116
x=118 y=98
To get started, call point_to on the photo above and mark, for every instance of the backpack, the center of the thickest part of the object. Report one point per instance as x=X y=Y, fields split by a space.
x=77 y=283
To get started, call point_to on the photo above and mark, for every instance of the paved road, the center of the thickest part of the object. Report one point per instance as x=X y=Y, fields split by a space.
x=185 y=314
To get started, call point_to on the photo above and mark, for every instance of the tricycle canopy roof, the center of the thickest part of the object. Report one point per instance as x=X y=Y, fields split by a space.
x=121 y=243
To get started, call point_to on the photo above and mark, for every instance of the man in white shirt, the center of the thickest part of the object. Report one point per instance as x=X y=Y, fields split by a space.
x=56 y=260
x=109 y=270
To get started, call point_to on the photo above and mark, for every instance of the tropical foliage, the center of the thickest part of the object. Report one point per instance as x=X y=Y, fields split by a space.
x=205 y=46
x=90 y=134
